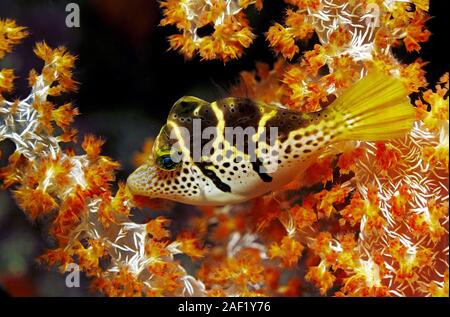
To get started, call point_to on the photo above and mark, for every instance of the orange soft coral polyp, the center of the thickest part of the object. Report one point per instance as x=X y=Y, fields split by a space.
x=231 y=31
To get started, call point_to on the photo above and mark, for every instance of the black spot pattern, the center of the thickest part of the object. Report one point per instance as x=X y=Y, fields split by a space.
x=213 y=177
x=260 y=170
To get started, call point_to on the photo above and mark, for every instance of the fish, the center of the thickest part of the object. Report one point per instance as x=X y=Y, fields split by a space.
x=233 y=167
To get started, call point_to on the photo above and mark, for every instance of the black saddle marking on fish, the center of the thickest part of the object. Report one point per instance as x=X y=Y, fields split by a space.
x=258 y=167
x=286 y=121
x=185 y=108
x=240 y=113
x=203 y=166
x=183 y=113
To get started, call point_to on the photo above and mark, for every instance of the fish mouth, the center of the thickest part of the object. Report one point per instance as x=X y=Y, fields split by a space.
x=139 y=182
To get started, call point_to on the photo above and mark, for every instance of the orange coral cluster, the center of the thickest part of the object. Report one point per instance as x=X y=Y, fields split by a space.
x=229 y=30
x=75 y=191
x=350 y=43
x=10 y=34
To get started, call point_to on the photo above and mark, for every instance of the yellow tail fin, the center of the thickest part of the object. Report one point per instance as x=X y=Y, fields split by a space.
x=376 y=108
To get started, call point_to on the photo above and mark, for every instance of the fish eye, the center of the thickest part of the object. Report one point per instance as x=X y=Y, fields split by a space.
x=166 y=162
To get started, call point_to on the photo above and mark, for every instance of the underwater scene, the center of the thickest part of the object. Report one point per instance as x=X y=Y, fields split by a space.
x=224 y=148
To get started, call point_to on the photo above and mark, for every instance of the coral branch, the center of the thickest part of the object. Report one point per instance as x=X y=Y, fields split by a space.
x=90 y=224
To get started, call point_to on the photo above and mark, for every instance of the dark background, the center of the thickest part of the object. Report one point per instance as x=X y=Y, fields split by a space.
x=128 y=82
